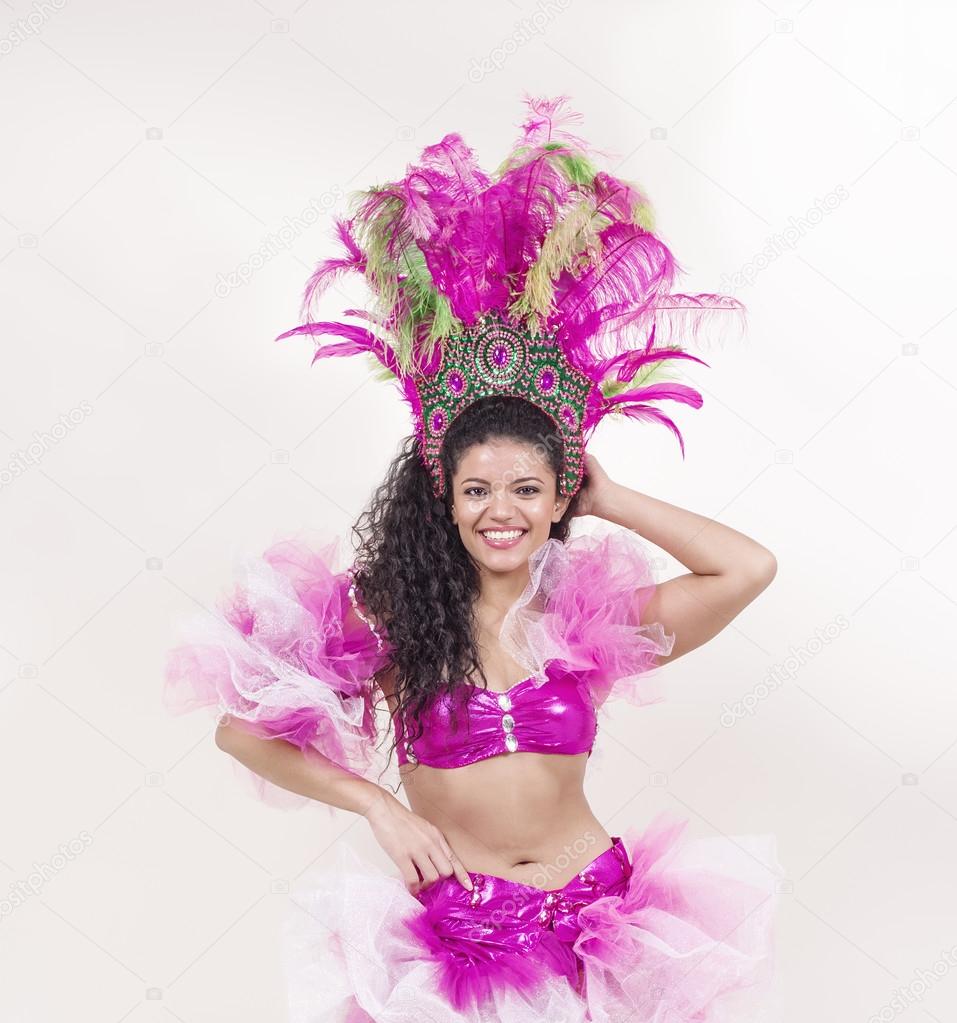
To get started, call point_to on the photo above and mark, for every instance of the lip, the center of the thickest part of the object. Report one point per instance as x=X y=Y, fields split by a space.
x=504 y=545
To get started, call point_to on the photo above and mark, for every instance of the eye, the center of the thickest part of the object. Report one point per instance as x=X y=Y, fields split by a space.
x=529 y=489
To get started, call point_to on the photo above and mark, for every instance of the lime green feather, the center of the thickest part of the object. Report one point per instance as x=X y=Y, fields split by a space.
x=400 y=280
x=651 y=373
x=643 y=216
x=570 y=240
x=576 y=167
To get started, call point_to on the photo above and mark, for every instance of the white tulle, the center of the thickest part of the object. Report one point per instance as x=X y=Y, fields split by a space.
x=584 y=606
x=690 y=943
x=348 y=959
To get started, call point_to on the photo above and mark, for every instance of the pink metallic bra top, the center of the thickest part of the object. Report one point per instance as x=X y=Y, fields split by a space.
x=557 y=716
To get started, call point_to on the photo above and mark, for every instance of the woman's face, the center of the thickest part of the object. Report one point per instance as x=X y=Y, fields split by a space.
x=504 y=502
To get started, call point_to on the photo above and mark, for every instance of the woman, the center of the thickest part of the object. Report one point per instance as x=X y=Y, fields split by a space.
x=509 y=816
x=493 y=634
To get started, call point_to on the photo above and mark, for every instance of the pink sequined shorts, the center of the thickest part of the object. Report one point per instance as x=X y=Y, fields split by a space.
x=508 y=931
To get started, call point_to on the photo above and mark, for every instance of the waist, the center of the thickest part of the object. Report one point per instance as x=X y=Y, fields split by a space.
x=535 y=830
x=602 y=868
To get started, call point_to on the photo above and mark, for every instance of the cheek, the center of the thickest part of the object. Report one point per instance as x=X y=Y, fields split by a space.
x=467 y=515
x=541 y=513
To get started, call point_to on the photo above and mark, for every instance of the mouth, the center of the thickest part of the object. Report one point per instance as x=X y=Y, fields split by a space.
x=502 y=539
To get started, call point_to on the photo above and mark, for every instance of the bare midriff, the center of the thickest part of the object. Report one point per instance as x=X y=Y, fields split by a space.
x=522 y=815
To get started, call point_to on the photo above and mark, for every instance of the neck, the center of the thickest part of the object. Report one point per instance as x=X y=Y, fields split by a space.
x=499 y=591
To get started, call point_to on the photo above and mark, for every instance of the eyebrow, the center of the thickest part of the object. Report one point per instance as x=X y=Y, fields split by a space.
x=524 y=479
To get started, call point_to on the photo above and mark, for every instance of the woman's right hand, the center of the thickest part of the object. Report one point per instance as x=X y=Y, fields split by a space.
x=415 y=845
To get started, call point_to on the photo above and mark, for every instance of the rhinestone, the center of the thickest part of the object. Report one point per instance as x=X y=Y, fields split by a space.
x=508 y=722
x=511 y=742
x=505 y=701
x=543 y=917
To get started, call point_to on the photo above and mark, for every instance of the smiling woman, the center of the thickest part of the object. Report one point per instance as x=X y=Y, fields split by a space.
x=496 y=505
x=493 y=635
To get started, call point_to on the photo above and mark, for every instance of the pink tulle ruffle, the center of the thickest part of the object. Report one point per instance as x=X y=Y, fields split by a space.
x=583 y=607
x=689 y=941
x=285 y=656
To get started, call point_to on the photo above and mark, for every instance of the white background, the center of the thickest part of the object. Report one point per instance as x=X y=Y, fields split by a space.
x=151 y=150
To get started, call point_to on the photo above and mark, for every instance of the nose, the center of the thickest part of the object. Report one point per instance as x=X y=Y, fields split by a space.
x=501 y=505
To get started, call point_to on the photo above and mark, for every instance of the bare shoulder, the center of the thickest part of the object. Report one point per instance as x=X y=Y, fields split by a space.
x=696 y=608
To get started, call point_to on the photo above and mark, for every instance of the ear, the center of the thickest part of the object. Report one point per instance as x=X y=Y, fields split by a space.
x=560 y=506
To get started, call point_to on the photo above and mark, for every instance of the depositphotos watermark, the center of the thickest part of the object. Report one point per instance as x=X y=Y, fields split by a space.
x=32 y=884
x=30 y=25
x=786 y=671
x=511 y=905
x=23 y=459
x=524 y=31
x=783 y=241
x=913 y=992
x=531 y=459
x=277 y=241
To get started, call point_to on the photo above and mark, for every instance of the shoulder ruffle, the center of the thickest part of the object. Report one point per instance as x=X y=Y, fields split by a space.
x=583 y=608
x=288 y=654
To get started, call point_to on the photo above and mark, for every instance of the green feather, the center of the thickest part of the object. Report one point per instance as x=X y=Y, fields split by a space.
x=577 y=168
x=643 y=216
x=651 y=373
x=566 y=243
x=373 y=234
x=400 y=279
x=379 y=373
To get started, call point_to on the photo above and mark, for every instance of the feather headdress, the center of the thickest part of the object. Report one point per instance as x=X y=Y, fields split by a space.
x=544 y=279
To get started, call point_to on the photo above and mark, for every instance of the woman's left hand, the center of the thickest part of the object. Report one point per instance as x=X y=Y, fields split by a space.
x=594 y=490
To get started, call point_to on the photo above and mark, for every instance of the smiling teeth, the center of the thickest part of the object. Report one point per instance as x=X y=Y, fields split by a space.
x=499 y=534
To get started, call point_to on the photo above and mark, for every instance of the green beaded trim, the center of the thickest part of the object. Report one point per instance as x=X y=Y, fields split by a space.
x=499 y=357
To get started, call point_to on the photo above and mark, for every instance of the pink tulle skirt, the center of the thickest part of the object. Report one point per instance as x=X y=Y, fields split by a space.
x=655 y=929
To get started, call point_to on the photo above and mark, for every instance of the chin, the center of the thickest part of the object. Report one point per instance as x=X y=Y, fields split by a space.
x=501 y=566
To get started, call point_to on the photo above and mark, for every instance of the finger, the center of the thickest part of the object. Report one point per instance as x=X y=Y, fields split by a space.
x=427 y=869
x=461 y=874
x=410 y=877
x=458 y=868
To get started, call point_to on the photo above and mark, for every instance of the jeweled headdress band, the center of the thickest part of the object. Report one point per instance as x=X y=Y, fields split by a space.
x=535 y=281
x=497 y=357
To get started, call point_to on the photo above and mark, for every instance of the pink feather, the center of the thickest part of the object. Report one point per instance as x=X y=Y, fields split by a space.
x=479 y=234
x=657 y=392
x=329 y=270
x=646 y=413
x=358 y=340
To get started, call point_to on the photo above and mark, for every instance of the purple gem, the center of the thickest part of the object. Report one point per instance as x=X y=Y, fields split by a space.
x=568 y=414
x=500 y=355
x=438 y=422
x=546 y=381
x=456 y=383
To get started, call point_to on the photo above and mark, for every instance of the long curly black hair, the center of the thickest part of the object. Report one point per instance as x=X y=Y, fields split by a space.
x=412 y=570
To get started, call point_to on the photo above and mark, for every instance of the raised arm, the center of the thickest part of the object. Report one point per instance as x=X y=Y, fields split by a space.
x=728 y=570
